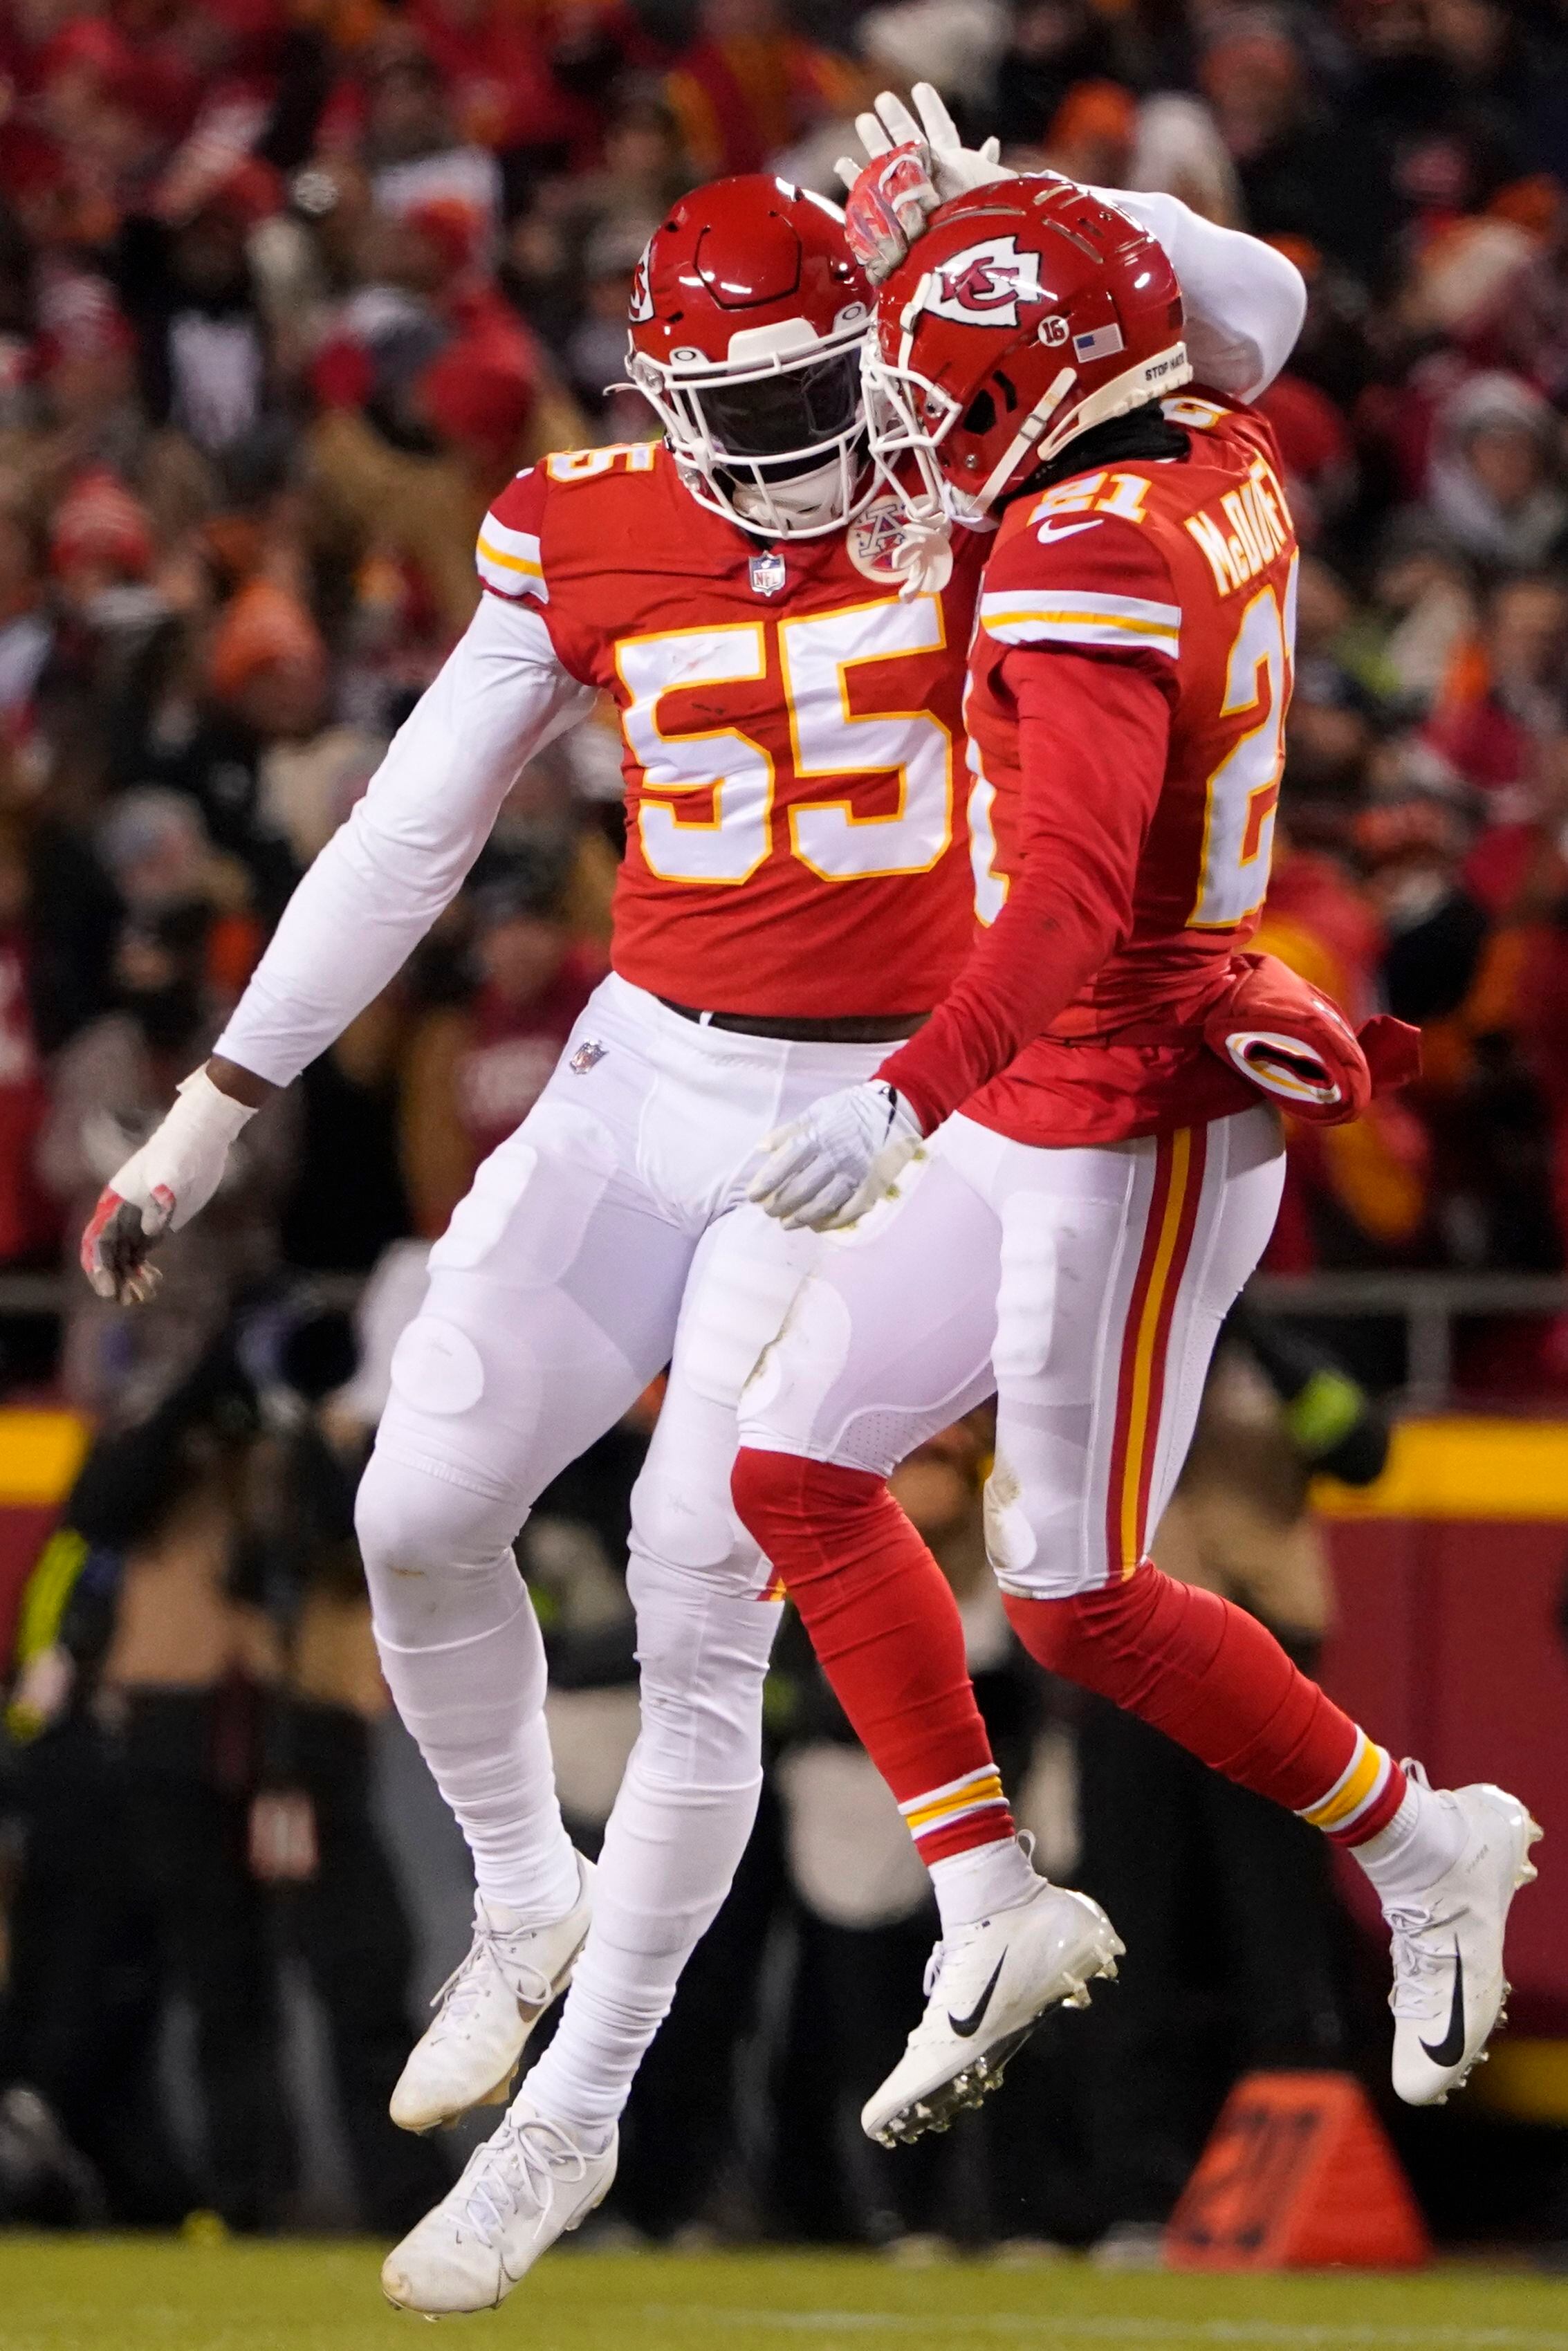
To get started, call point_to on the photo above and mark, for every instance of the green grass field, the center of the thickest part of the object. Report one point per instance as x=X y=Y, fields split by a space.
x=133 y=2294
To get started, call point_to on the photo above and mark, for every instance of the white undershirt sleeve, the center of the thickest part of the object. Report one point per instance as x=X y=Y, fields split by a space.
x=1245 y=302
x=402 y=855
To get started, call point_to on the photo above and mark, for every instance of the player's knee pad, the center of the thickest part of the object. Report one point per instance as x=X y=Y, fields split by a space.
x=1035 y=1542
x=436 y=1554
x=683 y=1519
x=703 y=1655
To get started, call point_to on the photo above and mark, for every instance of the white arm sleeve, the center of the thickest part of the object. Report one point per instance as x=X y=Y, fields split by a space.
x=1245 y=302
x=401 y=858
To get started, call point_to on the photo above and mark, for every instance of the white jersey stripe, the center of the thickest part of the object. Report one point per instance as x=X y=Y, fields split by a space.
x=508 y=541
x=1050 y=602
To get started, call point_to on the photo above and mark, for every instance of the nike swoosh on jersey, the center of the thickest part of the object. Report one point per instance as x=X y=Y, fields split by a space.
x=966 y=2027
x=1048 y=531
x=1451 y=2048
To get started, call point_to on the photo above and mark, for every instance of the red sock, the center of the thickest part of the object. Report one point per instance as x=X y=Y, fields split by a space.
x=1216 y=1680
x=887 y=1633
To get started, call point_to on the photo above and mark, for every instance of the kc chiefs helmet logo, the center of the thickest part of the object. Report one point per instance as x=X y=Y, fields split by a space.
x=984 y=285
x=640 y=307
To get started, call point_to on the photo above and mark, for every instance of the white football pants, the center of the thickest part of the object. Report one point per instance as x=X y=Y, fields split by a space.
x=608 y=1236
x=1086 y=1287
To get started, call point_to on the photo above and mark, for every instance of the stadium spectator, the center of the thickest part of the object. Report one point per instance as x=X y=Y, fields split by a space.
x=475 y=1070
x=111 y=1085
x=749 y=86
x=27 y=1216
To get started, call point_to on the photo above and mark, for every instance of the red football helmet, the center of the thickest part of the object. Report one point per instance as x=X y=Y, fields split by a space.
x=747 y=318
x=1029 y=311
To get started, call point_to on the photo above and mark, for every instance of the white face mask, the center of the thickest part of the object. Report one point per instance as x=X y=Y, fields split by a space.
x=760 y=489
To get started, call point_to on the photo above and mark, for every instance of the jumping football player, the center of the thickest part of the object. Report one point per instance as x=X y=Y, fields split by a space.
x=1076 y=1236
x=795 y=897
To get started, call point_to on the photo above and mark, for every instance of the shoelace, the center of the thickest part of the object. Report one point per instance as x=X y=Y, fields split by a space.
x=933 y=2026
x=464 y=1988
x=1418 y=1988
x=1417 y=1991
x=518 y=2165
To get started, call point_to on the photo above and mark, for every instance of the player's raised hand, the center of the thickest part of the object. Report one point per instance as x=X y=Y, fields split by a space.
x=827 y=1167
x=912 y=166
x=160 y=1188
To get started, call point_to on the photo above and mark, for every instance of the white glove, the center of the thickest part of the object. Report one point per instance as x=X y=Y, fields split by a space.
x=160 y=1188
x=889 y=200
x=827 y=1167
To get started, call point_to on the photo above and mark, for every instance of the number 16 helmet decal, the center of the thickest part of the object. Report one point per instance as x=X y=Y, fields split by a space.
x=1029 y=311
x=748 y=317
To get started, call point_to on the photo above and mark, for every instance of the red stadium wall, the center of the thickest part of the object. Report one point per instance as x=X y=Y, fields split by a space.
x=39 y=1454
x=1451 y=1645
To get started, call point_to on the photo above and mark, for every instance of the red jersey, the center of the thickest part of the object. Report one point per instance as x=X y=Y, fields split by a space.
x=792 y=731
x=1128 y=686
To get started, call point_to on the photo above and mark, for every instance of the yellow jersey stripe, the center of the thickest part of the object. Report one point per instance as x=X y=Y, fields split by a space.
x=510 y=562
x=1113 y=623
x=1079 y=599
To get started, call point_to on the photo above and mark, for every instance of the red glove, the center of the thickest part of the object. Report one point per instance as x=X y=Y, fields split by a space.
x=888 y=206
x=1291 y=1041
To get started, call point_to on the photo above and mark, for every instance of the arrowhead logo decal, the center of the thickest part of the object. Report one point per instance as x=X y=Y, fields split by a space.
x=984 y=285
x=640 y=307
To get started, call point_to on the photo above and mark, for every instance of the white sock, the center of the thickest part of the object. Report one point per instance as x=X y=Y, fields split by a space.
x=674 y=1839
x=976 y=1885
x=1426 y=1837
x=505 y=1919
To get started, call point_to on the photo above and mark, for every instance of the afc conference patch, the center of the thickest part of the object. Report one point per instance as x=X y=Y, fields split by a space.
x=874 y=538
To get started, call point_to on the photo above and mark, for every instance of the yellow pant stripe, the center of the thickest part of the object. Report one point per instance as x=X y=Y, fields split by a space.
x=1138 y=1430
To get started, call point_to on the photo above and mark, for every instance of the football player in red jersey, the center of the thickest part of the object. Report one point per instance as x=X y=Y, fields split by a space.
x=1076 y=1234
x=795 y=897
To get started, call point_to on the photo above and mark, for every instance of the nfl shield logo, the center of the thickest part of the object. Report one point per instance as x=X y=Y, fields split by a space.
x=766 y=573
x=585 y=1057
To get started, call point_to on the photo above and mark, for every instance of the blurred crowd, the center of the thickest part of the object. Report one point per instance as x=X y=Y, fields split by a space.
x=287 y=287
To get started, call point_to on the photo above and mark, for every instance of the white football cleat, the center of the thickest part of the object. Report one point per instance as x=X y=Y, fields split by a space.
x=527 y=2185
x=1449 y=1984
x=987 y=1985
x=485 y=2012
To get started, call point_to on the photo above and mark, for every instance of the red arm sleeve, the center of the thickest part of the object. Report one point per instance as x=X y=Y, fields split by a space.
x=1093 y=734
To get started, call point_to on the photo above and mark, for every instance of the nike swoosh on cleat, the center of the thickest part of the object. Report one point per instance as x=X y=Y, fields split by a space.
x=966 y=2027
x=1451 y=2048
